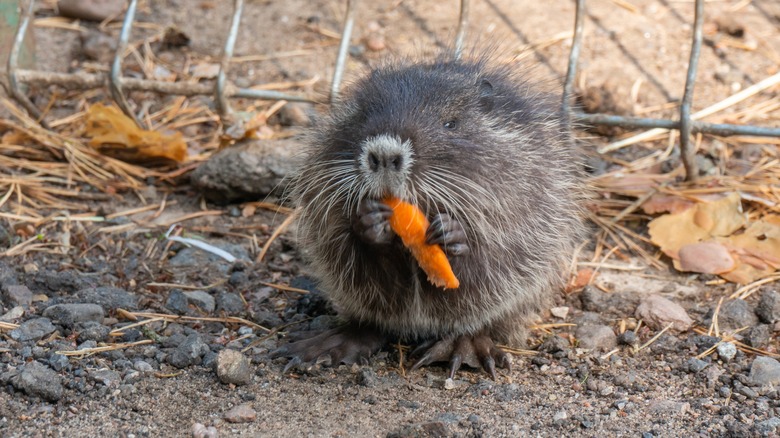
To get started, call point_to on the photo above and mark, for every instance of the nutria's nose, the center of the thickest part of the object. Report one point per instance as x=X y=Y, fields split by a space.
x=388 y=161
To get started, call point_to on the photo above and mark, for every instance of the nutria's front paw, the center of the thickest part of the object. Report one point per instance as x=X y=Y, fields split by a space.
x=475 y=351
x=371 y=222
x=349 y=344
x=448 y=233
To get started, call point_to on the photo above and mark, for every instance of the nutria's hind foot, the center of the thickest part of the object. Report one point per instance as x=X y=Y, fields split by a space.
x=348 y=345
x=475 y=351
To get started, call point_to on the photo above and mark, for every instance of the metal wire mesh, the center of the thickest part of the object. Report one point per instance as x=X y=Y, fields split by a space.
x=222 y=90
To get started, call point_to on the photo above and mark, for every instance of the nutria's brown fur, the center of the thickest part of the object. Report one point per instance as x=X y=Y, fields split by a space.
x=486 y=157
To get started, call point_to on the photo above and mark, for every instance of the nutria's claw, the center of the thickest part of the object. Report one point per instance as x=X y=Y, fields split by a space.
x=444 y=230
x=371 y=222
x=347 y=345
x=475 y=351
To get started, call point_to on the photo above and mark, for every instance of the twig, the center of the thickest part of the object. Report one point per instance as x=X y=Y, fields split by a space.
x=287 y=221
x=654 y=338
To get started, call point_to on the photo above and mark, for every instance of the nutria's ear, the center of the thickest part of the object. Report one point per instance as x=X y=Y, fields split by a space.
x=486 y=95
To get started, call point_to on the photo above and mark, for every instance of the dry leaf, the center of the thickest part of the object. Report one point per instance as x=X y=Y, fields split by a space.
x=582 y=279
x=116 y=135
x=659 y=203
x=706 y=258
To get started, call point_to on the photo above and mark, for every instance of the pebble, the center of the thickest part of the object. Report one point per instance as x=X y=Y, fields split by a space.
x=177 y=302
x=17 y=295
x=429 y=429
x=106 y=377
x=92 y=331
x=658 y=312
x=765 y=371
x=201 y=299
x=760 y=335
x=189 y=352
x=32 y=330
x=241 y=414
x=91 y=10
x=560 y=415
x=295 y=114
x=57 y=361
x=69 y=314
x=367 y=377
x=768 y=308
x=668 y=407
x=628 y=337
x=38 y=380
x=142 y=366
x=201 y=431
x=727 y=351
x=592 y=336
x=109 y=298
x=13 y=314
x=554 y=344
x=560 y=312
x=230 y=303
x=695 y=365
x=250 y=170
x=736 y=314
x=233 y=368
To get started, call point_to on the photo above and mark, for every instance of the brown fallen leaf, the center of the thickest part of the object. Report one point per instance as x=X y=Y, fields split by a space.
x=706 y=258
x=660 y=203
x=116 y=135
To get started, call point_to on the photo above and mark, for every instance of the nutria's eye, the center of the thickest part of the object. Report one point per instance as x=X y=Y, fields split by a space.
x=452 y=124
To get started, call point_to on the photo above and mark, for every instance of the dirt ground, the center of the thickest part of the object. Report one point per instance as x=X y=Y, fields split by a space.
x=634 y=62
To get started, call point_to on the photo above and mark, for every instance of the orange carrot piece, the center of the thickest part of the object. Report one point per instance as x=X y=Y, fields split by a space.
x=410 y=224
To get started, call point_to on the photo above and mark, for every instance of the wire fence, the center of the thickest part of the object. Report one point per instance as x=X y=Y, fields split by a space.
x=687 y=123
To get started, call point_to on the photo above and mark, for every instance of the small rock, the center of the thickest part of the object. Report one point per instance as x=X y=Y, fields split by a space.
x=628 y=337
x=593 y=336
x=233 y=367
x=449 y=384
x=367 y=377
x=97 y=45
x=92 y=331
x=295 y=114
x=728 y=23
x=58 y=362
x=250 y=170
x=734 y=315
x=560 y=415
x=760 y=335
x=375 y=42
x=241 y=414
x=765 y=371
x=202 y=300
x=32 y=330
x=727 y=351
x=560 y=312
x=554 y=344
x=695 y=365
x=106 y=377
x=668 y=407
x=69 y=314
x=13 y=314
x=230 y=303
x=769 y=426
x=91 y=10
x=17 y=295
x=142 y=366
x=768 y=308
x=658 y=312
x=109 y=298
x=190 y=352
x=38 y=380
x=177 y=302
x=201 y=431
x=419 y=430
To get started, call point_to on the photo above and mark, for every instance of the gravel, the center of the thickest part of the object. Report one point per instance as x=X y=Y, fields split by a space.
x=658 y=312
x=765 y=371
x=69 y=315
x=32 y=330
x=38 y=380
x=232 y=367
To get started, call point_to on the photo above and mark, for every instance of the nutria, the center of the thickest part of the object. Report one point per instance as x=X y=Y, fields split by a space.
x=490 y=162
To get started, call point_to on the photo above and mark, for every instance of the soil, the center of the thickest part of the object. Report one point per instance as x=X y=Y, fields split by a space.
x=635 y=56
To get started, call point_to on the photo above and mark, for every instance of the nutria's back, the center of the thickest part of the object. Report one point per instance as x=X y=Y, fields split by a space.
x=468 y=139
